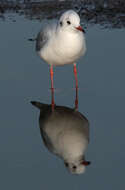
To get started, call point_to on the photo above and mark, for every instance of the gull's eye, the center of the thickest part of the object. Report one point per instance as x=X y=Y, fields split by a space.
x=74 y=167
x=68 y=22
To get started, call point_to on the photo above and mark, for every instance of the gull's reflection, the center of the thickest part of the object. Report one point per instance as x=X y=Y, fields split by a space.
x=65 y=132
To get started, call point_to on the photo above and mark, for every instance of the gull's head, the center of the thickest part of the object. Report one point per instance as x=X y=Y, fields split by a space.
x=70 y=21
x=77 y=167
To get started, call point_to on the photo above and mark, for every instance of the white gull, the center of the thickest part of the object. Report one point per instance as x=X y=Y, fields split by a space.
x=62 y=42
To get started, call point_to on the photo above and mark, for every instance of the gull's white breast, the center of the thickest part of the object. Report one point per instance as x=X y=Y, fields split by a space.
x=64 y=48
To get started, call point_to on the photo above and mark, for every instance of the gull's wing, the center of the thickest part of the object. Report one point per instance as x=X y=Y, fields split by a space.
x=41 y=40
x=44 y=35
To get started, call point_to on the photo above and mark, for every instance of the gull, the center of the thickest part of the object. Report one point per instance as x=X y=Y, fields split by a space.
x=62 y=42
x=65 y=132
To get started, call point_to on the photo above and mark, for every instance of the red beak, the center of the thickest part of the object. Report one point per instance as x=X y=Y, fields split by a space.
x=86 y=163
x=80 y=28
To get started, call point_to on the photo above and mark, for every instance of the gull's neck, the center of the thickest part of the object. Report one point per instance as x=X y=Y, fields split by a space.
x=75 y=160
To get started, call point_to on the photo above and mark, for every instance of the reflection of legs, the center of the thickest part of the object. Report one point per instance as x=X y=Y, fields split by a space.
x=52 y=87
x=76 y=99
x=52 y=98
x=75 y=74
x=51 y=76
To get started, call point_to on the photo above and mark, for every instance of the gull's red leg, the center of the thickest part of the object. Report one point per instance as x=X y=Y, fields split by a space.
x=52 y=87
x=51 y=76
x=75 y=74
x=76 y=79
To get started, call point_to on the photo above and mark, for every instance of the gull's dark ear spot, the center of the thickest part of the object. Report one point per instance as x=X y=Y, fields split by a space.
x=61 y=23
x=66 y=164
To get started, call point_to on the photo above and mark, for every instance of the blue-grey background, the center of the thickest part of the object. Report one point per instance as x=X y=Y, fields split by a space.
x=24 y=161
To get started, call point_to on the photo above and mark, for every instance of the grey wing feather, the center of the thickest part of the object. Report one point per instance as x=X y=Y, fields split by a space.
x=41 y=40
x=44 y=35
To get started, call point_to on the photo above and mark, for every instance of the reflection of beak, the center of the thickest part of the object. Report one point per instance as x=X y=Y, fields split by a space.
x=80 y=28
x=86 y=163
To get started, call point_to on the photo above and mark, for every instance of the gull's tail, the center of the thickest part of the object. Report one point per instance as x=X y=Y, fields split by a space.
x=37 y=104
x=40 y=105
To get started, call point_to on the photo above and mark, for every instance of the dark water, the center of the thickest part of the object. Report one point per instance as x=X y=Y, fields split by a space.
x=25 y=163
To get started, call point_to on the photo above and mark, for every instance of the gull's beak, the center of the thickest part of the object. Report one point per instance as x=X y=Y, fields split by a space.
x=86 y=163
x=80 y=28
